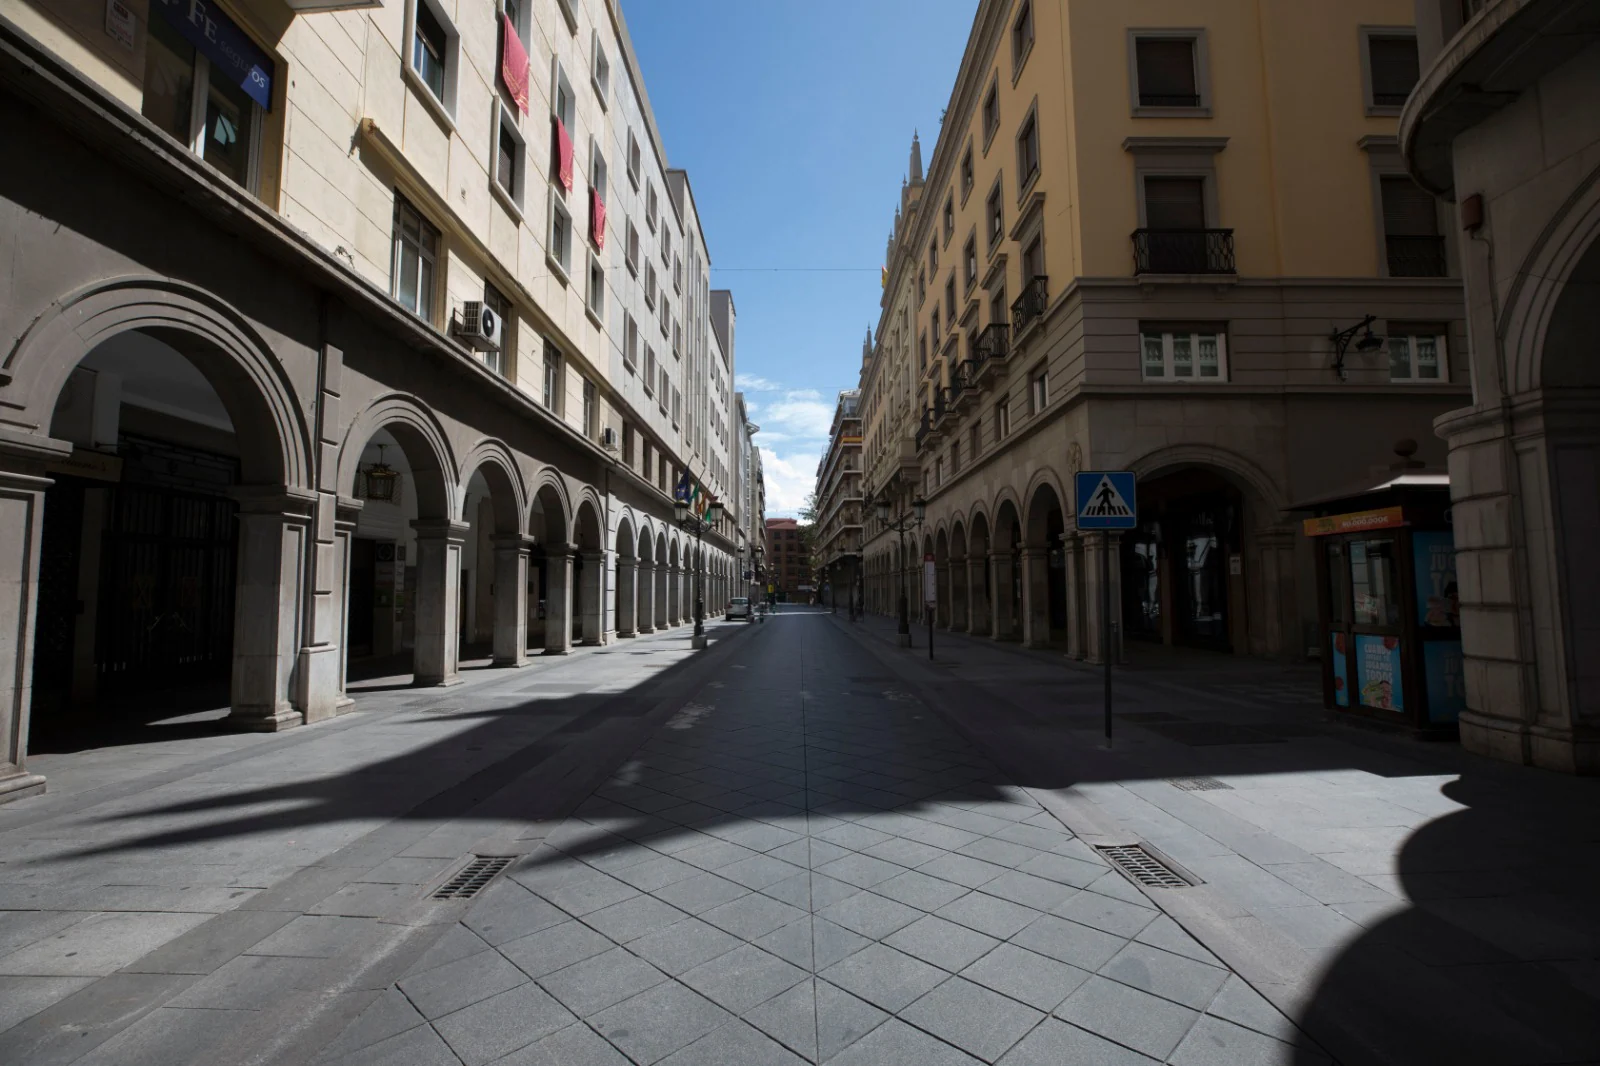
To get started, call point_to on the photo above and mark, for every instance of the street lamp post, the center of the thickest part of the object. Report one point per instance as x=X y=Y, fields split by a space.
x=692 y=523
x=901 y=524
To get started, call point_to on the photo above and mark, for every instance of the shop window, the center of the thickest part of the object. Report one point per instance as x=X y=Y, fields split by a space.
x=1417 y=356
x=1374 y=582
x=209 y=99
x=415 y=253
x=1183 y=355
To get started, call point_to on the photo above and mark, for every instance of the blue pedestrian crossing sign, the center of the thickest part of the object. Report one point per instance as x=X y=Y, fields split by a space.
x=1107 y=499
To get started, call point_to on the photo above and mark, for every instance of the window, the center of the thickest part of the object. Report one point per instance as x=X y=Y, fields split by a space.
x=560 y=249
x=971 y=256
x=1183 y=355
x=967 y=177
x=922 y=287
x=994 y=214
x=633 y=158
x=974 y=438
x=1021 y=37
x=630 y=342
x=934 y=330
x=509 y=156
x=631 y=249
x=650 y=285
x=666 y=246
x=1413 y=246
x=1039 y=392
x=664 y=390
x=651 y=208
x=568 y=14
x=1028 y=153
x=949 y=217
x=666 y=317
x=597 y=288
x=997 y=305
x=950 y=298
x=991 y=113
x=416 y=249
x=552 y=378
x=649 y=370
x=922 y=353
x=1174 y=203
x=933 y=257
x=430 y=49
x=677 y=406
x=955 y=458
x=499 y=361
x=627 y=444
x=515 y=10
x=600 y=70
x=1166 y=72
x=677 y=274
x=597 y=169
x=1392 y=70
x=216 y=120
x=677 y=340
x=1417 y=355
x=1002 y=419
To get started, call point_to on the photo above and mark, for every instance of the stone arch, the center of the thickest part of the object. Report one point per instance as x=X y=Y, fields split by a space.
x=589 y=502
x=427 y=449
x=1006 y=496
x=1035 y=502
x=550 y=494
x=248 y=377
x=507 y=493
x=1545 y=275
x=1238 y=467
x=1567 y=356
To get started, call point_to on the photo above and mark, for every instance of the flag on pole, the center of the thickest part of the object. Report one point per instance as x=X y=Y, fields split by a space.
x=884 y=283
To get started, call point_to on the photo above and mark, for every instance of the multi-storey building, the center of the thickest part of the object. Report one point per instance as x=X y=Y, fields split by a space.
x=337 y=332
x=1138 y=235
x=788 y=566
x=1504 y=124
x=837 y=537
x=751 y=493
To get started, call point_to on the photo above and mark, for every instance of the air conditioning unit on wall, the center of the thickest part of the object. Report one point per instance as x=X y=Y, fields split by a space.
x=608 y=439
x=480 y=327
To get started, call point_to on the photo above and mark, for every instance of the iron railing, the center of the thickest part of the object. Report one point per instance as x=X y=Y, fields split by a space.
x=1031 y=304
x=1416 y=257
x=1183 y=251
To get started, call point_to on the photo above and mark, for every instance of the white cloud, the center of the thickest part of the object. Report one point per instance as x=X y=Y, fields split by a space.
x=790 y=478
x=756 y=383
x=795 y=426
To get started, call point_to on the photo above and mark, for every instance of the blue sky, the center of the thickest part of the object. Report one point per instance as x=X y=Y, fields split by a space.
x=794 y=120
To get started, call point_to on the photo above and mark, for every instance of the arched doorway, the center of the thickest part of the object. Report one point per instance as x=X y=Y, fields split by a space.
x=941 y=566
x=550 y=563
x=646 y=581
x=626 y=595
x=960 y=581
x=1045 y=565
x=495 y=558
x=589 y=574
x=1182 y=568
x=1006 y=564
x=167 y=573
x=674 y=584
x=980 y=576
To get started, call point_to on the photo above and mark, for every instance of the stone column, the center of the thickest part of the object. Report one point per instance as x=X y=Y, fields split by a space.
x=979 y=623
x=1279 y=636
x=960 y=596
x=1004 y=606
x=941 y=584
x=663 y=594
x=275 y=531
x=592 y=597
x=645 y=609
x=22 y=485
x=557 y=599
x=1072 y=548
x=345 y=518
x=1094 y=546
x=1035 y=596
x=436 y=657
x=511 y=599
x=674 y=593
x=627 y=596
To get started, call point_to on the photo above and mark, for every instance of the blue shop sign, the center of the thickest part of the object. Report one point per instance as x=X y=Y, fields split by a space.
x=234 y=56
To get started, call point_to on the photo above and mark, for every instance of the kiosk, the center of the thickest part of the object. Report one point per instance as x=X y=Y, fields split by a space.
x=1390 y=637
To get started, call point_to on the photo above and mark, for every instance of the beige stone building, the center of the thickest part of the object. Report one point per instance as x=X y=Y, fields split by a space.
x=1504 y=125
x=1135 y=241
x=340 y=337
x=837 y=535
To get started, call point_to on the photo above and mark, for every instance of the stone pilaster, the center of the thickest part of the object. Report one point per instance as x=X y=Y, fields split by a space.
x=511 y=599
x=275 y=532
x=436 y=656
x=558 y=599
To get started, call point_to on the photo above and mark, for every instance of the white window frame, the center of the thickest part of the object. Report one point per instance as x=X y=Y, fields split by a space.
x=561 y=264
x=649 y=375
x=1409 y=335
x=1368 y=33
x=595 y=299
x=200 y=89
x=664 y=391
x=554 y=381
x=1199 y=42
x=444 y=105
x=630 y=342
x=600 y=70
x=561 y=88
x=652 y=206
x=568 y=14
x=433 y=260
x=1038 y=391
x=1168 y=374
x=650 y=288
x=634 y=156
x=512 y=198
x=630 y=247
x=500 y=362
x=591 y=409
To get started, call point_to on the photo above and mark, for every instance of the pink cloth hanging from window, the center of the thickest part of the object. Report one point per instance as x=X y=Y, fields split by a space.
x=563 y=154
x=597 y=218
x=513 y=63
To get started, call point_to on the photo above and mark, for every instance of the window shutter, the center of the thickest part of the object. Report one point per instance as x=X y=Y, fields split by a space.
x=1175 y=203
x=1166 y=72
x=1408 y=209
x=1394 y=69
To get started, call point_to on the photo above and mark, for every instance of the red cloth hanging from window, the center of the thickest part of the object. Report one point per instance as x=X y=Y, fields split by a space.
x=563 y=154
x=597 y=218
x=513 y=63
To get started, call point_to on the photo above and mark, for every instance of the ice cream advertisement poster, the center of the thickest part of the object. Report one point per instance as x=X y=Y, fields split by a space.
x=1341 y=685
x=1379 y=674
x=1447 y=686
x=1434 y=559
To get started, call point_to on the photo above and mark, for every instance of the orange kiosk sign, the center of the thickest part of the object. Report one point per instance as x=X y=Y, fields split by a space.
x=1355 y=522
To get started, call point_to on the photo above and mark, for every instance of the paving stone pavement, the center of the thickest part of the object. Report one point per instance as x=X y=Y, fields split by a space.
x=806 y=864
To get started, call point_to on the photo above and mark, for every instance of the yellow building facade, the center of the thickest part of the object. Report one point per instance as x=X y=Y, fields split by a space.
x=1137 y=239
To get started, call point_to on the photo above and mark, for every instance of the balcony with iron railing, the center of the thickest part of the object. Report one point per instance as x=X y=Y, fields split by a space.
x=989 y=354
x=1183 y=251
x=1416 y=257
x=1029 y=307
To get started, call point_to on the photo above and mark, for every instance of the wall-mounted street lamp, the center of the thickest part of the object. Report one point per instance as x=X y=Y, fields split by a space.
x=1342 y=338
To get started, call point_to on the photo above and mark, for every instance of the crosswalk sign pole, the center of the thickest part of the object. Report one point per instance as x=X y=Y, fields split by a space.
x=1105 y=622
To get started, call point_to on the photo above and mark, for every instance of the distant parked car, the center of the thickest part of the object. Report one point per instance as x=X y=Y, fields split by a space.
x=738 y=607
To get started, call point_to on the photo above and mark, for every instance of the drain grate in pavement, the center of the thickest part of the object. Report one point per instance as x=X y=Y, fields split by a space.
x=1199 y=784
x=473 y=877
x=1143 y=867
